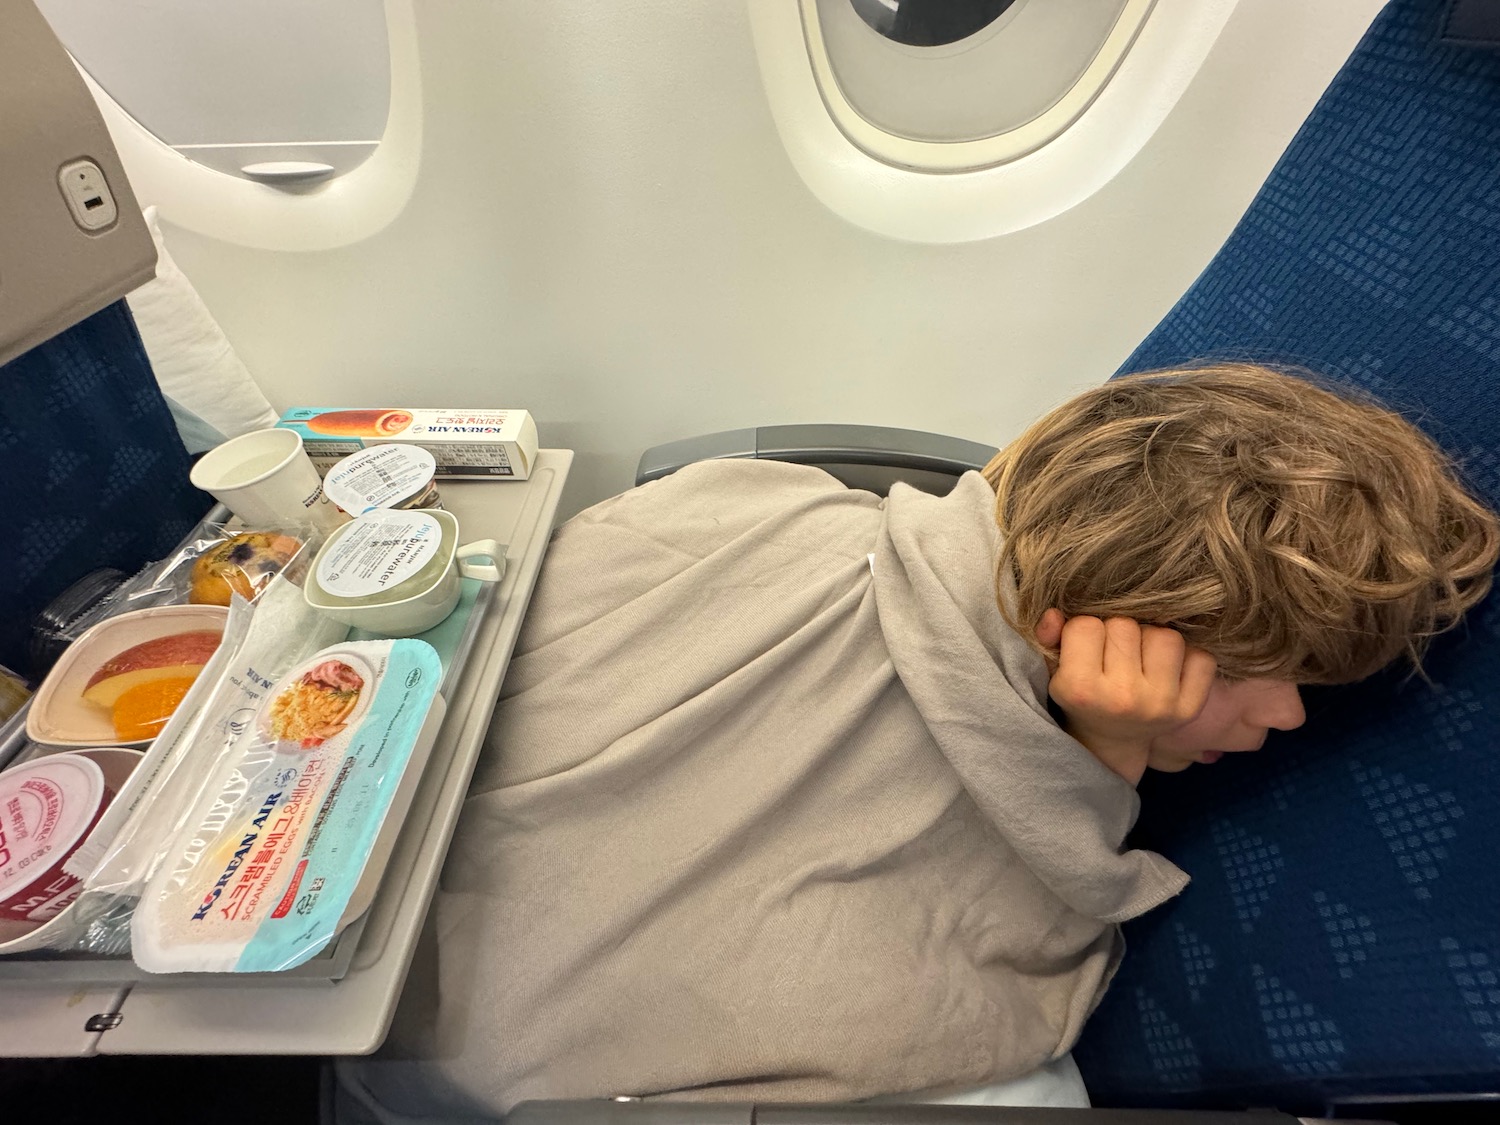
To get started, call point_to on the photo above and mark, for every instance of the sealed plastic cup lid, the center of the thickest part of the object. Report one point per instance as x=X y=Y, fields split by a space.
x=383 y=557
x=383 y=476
x=46 y=807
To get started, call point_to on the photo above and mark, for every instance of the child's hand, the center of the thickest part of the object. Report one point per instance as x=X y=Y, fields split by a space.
x=1122 y=684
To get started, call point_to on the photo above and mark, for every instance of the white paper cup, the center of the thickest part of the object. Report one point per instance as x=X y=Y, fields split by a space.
x=267 y=479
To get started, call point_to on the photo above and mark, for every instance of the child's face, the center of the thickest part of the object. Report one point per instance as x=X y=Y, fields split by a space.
x=1237 y=716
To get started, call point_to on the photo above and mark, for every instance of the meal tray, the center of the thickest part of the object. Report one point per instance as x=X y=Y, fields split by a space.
x=454 y=641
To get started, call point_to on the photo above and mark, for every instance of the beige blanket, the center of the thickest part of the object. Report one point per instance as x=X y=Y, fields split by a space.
x=772 y=808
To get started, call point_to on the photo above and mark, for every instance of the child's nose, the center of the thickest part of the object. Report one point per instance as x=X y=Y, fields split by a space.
x=1281 y=708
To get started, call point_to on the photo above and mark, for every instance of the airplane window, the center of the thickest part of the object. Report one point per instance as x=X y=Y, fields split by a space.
x=929 y=23
x=281 y=91
x=957 y=120
x=1008 y=75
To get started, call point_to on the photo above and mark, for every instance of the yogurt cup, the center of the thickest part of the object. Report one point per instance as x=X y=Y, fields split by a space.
x=383 y=476
x=397 y=573
x=48 y=807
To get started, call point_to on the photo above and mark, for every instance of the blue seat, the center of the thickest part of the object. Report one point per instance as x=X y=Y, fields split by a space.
x=92 y=467
x=1341 y=936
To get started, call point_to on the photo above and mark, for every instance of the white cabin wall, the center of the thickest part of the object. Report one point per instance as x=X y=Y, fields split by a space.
x=606 y=230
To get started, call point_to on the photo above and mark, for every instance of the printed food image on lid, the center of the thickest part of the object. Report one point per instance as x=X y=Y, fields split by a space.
x=360 y=423
x=319 y=703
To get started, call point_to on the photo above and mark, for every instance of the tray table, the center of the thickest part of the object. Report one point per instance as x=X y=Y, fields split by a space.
x=340 y=1002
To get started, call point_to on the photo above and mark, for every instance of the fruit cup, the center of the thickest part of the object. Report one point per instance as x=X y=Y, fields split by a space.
x=135 y=667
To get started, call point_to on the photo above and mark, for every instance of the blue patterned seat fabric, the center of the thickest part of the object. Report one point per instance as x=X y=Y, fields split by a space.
x=1342 y=932
x=93 y=471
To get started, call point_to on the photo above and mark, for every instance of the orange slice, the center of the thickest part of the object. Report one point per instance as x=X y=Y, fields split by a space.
x=142 y=710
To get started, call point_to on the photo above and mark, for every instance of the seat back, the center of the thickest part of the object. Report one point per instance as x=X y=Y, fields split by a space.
x=94 y=472
x=1341 y=936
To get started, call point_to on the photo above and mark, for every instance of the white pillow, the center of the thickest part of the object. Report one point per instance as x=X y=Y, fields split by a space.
x=1058 y=1083
x=210 y=393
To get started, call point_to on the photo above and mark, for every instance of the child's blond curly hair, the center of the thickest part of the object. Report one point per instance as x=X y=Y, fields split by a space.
x=1292 y=532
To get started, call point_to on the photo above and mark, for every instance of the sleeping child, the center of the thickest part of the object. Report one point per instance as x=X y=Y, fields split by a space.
x=799 y=793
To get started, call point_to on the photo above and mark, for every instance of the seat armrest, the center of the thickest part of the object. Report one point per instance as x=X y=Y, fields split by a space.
x=822 y=444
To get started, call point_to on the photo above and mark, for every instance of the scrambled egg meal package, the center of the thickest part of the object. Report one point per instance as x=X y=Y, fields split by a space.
x=273 y=861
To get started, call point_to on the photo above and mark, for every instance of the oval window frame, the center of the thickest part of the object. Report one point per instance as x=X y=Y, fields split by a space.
x=980 y=152
x=956 y=201
x=324 y=215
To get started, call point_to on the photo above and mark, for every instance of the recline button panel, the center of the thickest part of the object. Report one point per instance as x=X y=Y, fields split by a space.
x=88 y=195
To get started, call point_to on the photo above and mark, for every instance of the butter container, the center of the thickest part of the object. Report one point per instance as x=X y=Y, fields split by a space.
x=397 y=573
x=484 y=444
x=383 y=476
